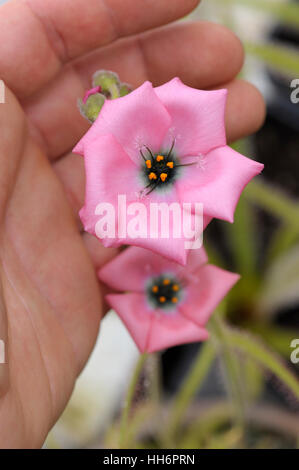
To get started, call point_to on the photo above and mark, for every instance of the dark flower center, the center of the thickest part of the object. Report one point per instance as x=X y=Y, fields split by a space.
x=159 y=169
x=164 y=291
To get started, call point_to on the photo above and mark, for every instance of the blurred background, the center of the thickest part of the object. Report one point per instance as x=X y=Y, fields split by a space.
x=240 y=389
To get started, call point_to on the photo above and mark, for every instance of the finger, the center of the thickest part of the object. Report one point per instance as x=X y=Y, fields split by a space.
x=51 y=32
x=98 y=253
x=201 y=54
x=245 y=112
x=99 y=256
x=13 y=129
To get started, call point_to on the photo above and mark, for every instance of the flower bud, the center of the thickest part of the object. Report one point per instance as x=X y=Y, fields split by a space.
x=106 y=85
x=91 y=106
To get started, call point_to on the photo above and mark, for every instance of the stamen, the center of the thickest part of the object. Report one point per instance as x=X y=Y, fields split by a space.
x=149 y=151
x=153 y=188
x=165 y=292
x=159 y=168
x=141 y=153
x=171 y=148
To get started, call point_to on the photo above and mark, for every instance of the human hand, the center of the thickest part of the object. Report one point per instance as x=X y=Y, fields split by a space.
x=50 y=301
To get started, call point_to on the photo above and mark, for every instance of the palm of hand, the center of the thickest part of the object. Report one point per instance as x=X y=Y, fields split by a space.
x=50 y=303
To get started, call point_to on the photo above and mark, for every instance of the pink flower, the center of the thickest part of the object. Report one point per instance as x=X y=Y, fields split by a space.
x=166 y=144
x=165 y=304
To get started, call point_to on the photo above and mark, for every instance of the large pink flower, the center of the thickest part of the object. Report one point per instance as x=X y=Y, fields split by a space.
x=166 y=144
x=165 y=304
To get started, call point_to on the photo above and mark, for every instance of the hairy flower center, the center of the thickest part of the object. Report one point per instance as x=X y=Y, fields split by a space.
x=164 y=292
x=159 y=169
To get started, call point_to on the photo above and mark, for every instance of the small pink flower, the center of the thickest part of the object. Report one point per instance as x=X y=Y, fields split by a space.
x=166 y=144
x=165 y=304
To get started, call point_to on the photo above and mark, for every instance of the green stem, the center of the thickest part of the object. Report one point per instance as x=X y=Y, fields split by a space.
x=232 y=368
x=275 y=202
x=249 y=345
x=190 y=387
x=129 y=401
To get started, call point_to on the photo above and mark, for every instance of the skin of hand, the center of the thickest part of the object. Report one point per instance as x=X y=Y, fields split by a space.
x=50 y=299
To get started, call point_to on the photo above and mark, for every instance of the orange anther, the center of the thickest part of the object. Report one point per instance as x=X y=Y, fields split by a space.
x=169 y=164
x=162 y=299
x=163 y=176
x=159 y=158
x=152 y=176
x=148 y=163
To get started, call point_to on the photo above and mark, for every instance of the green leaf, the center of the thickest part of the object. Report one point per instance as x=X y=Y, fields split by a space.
x=242 y=235
x=251 y=346
x=281 y=58
x=190 y=387
x=277 y=338
x=285 y=12
x=275 y=202
x=283 y=239
x=281 y=283
x=231 y=365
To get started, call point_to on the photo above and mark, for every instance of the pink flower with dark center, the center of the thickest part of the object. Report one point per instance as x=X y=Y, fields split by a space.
x=164 y=304
x=164 y=144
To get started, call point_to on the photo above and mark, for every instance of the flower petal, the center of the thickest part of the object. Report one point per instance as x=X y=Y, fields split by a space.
x=172 y=329
x=109 y=173
x=197 y=117
x=112 y=179
x=136 y=119
x=209 y=286
x=130 y=270
x=218 y=182
x=133 y=311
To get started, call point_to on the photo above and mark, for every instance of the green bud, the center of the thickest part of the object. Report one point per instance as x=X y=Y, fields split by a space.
x=110 y=88
x=124 y=89
x=109 y=82
x=91 y=109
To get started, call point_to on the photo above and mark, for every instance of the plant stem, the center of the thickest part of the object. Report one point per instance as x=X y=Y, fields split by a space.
x=190 y=387
x=129 y=400
x=255 y=349
x=232 y=368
